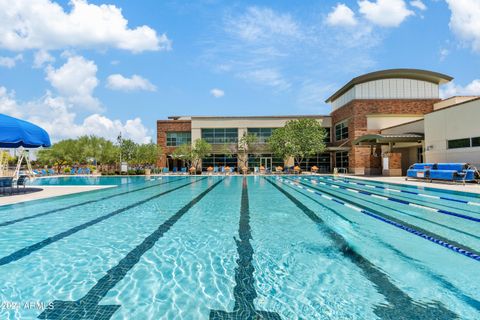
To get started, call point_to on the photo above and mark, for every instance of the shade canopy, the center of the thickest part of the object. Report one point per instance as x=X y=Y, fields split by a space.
x=16 y=133
x=387 y=138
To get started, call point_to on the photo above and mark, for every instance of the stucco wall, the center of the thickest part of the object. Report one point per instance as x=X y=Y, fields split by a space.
x=456 y=122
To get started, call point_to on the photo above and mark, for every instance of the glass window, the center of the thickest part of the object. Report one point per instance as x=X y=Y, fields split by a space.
x=220 y=135
x=341 y=131
x=219 y=160
x=262 y=133
x=476 y=142
x=320 y=160
x=459 y=143
x=175 y=139
x=341 y=159
x=328 y=136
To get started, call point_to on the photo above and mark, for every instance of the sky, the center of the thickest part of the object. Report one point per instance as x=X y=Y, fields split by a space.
x=104 y=67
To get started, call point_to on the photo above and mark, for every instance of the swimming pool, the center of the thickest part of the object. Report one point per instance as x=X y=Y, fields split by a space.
x=229 y=247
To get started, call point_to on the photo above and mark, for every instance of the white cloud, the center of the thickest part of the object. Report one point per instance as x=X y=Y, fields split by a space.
x=465 y=21
x=444 y=54
x=451 y=89
x=385 y=13
x=342 y=15
x=262 y=23
x=266 y=77
x=54 y=115
x=136 y=82
x=10 y=62
x=217 y=93
x=43 y=24
x=75 y=81
x=418 y=4
x=42 y=57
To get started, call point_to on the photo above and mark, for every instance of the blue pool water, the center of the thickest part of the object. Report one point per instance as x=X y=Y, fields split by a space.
x=227 y=247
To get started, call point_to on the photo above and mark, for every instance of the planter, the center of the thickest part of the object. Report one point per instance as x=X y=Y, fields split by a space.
x=148 y=172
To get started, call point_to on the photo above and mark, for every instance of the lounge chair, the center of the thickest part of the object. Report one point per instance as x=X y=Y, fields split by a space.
x=175 y=169
x=184 y=170
x=87 y=171
x=22 y=181
x=215 y=169
x=6 y=182
x=44 y=172
x=72 y=171
x=165 y=170
x=51 y=172
x=80 y=171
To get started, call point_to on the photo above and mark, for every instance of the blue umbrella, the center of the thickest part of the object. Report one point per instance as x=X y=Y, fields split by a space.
x=16 y=133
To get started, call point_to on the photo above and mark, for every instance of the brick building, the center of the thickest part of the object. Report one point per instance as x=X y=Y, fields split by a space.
x=363 y=112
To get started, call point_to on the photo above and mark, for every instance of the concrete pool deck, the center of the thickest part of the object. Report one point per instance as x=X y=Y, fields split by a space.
x=468 y=187
x=47 y=192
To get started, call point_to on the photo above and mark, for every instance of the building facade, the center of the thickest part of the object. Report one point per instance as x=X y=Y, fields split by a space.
x=223 y=133
x=381 y=123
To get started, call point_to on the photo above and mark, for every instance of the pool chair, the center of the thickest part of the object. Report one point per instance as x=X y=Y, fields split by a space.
x=72 y=171
x=22 y=181
x=215 y=170
x=456 y=172
x=51 y=172
x=87 y=171
x=184 y=170
x=6 y=183
x=44 y=172
x=165 y=170
x=80 y=171
x=175 y=169
x=420 y=170
x=222 y=169
x=256 y=170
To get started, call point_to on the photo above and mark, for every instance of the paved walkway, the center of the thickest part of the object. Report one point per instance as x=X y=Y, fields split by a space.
x=46 y=192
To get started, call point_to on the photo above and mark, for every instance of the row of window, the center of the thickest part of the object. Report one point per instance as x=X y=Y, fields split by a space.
x=224 y=136
x=463 y=143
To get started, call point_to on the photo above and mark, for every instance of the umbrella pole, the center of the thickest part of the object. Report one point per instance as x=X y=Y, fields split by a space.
x=19 y=164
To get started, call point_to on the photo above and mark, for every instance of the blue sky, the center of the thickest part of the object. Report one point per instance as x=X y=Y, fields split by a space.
x=96 y=67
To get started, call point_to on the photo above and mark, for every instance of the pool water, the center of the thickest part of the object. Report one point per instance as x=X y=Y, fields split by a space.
x=229 y=247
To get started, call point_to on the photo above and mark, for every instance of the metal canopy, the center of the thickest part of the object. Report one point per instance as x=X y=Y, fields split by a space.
x=370 y=139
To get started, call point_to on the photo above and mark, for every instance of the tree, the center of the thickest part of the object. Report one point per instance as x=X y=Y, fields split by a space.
x=183 y=152
x=147 y=154
x=247 y=144
x=128 y=149
x=300 y=139
x=200 y=149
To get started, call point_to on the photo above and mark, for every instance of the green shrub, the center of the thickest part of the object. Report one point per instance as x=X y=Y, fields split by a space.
x=67 y=170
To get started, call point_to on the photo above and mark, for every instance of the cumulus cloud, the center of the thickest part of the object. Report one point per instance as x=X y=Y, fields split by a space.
x=385 y=13
x=135 y=83
x=10 y=62
x=465 y=21
x=342 y=15
x=64 y=124
x=41 y=57
x=44 y=24
x=217 y=93
x=75 y=81
x=452 y=89
x=418 y=4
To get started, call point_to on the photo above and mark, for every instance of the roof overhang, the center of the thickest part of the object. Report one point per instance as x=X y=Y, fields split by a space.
x=374 y=139
x=415 y=74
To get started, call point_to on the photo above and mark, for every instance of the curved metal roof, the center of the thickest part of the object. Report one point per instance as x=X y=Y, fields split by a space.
x=415 y=74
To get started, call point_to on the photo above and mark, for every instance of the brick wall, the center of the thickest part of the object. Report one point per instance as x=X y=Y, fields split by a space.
x=164 y=126
x=356 y=112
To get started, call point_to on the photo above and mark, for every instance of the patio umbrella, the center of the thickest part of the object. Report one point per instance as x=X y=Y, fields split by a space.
x=16 y=133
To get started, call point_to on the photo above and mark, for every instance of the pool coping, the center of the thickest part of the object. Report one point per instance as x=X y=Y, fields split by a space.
x=48 y=192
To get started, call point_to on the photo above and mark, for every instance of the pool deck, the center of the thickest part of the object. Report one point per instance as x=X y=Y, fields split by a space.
x=468 y=187
x=47 y=192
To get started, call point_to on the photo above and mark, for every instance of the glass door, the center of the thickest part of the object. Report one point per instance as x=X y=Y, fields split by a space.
x=266 y=162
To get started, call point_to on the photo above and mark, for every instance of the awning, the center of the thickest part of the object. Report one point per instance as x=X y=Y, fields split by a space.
x=16 y=133
x=370 y=139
